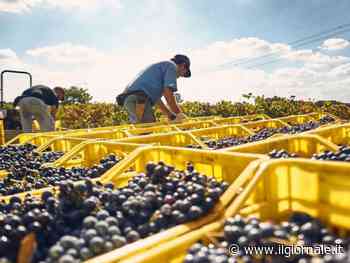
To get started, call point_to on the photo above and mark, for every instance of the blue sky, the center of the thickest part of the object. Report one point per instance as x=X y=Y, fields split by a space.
x=102 y=43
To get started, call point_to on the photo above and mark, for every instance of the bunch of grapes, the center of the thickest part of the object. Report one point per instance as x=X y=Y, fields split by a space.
x=87 y=219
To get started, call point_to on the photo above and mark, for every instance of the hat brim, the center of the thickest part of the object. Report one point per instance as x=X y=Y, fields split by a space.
x=188 y=73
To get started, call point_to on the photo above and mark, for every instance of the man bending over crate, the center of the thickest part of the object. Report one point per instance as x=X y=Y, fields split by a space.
x=147 y=89
x=41 y=103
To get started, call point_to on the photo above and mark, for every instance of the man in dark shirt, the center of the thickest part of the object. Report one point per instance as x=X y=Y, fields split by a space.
x=37 y=103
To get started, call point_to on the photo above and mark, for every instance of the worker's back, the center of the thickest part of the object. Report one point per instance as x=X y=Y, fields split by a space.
x=41 y=92
x=153 y=79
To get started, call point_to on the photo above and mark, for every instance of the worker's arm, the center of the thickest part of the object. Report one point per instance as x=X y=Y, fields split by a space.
x=170 y=99
x=165 y=110
x=174 y=107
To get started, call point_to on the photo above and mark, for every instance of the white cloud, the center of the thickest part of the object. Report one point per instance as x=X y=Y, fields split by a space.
x=311 y=79
x=309 y=56
x=246 y=52
x=224 y=85
x=222 y=52
x=23 y=6
x=300 y=74
x=7 y=54
x=335 y=44
x=316 y=60
x=14 y=83
x=89 y=4
x=106 y=74
x=66 y=53
x=15 y=6
x=341 y=71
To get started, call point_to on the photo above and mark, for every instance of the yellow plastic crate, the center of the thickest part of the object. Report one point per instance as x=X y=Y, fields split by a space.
x=282 y=186
x=258 y=125
x=151 y=130
x=205 y=118
x=110 y=133
x=24 y=137
x=277 y=188
x=241 y=119
x=55 y=144
x=318 y=115
x=107 y=132
x=164 y=120
x=63 y=131
x=121 y=126
x=337 y=134
x=161 y=121
x=65 y=145
x=178 y=139
x=85 y=154
x=229 y=120
x=223 y=166
x=62 y=144
x=2 y=132
x=297 y=119
x=217 y=133
x=119 y=133
x=91 y=152
x=58 y=125
x=69 y=146
x=173 y=251
x=36 y=126
x=21 y=138
x=302 y=145
x=196 y=125
x=42 y=138
x=88 y=130
x=216 y=164
x=105 y=135
x=37 y=139
x=256 y=117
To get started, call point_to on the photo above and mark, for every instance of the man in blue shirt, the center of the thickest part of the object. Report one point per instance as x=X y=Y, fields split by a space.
x=150 y=85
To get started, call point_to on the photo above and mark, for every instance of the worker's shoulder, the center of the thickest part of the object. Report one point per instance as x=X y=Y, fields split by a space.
x=164 y=64
x=40 y=86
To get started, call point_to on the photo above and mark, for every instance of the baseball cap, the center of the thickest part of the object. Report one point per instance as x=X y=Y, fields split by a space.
x=180 y=59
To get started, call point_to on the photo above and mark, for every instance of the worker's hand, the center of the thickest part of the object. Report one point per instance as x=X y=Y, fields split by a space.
x=180 y=117
x=171 y=116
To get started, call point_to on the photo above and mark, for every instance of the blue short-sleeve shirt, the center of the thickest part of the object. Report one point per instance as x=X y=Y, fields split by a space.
x=154 y=79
